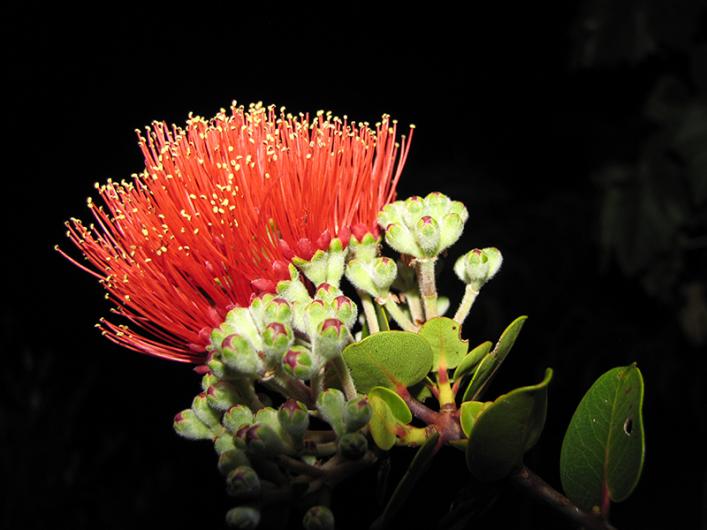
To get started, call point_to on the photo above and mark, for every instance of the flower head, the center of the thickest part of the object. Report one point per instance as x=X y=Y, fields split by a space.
x=224 y=202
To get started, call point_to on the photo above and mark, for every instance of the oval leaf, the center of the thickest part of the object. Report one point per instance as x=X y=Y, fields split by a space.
x=397 y=406
x=471 y=359
x=604 y=446
x=448 y=348
x=382 y=423
x=508 y=428
x=389 y=359
x=468 y=413
x=481 y=374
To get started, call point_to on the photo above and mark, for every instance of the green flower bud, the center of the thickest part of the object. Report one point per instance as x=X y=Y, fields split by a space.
x=210 y=417
x=391 y=213
x=315 y=312
x=413 y=209
x=478 y=266
x=366 y=248
x=293 y=290
x=239 y=320
x=298 y=362
x=451 y=227
x=243 y=483
x=437 y=204
x=277 y=310
x=263 y=440
x=277 y=339
x=358 y=273
x=207 y=381
x=459 y=209
x=187 y=425
x=224 y=442
x=222 y=396
x=345 y=310
x=257 y=307
x=427 y=236
x=238 y=355
x=236 y=417
x=230 y=460
x=400 y=238
x=357 y=413
x=383 y=273
x=294 y=419
x=268 y=416
x=353 y=445
x=217 y=367
x=318 y=518
x=316 y=268
x=243 y=517
x=327 y=292
x=337 y=260
x=331 y=404
x=331 y=338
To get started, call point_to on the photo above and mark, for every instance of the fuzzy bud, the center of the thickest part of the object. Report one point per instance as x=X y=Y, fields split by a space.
x=243 y=517
x=427 y=235
x=318 y=518
x=222 y=396
x=331 y=404
x=263 y=440
x=294 y=419
x=187 y=425
x=238 y=355
x=230 y=460
x=236 y=417
x=277 y=310
x=210 y=417
x=299 y=362
x=224 y=442
x=357 y=413
x=478 y=266
x=277 y=339
x=243 y=483
x=400 y=238
x=326 y=292
x=383 y=273
x=345 y=310
x=353 y=445
x=331 y=338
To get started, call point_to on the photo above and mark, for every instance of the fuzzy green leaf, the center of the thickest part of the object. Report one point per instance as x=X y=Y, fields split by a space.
x=471 y=359
x=382 y=424
x=604 y=445
x=397 y=406
x=505 y=430
x=389 y=359
x=448 y=348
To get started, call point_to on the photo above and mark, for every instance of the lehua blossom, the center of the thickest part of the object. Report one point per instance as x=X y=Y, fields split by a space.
x=221 y=205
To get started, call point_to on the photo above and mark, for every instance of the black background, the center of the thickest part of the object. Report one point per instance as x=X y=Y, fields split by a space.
x=512 y=118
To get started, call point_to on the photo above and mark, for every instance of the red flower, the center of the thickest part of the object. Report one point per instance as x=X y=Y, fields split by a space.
x=221 y=203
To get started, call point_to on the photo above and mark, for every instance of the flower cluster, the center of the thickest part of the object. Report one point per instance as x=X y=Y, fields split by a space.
x=220 y=208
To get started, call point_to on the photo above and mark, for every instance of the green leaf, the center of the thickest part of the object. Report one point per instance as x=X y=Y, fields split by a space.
x=604 y=445
x=471 y=359
x=468 y=413
x=382 y=424
x=389 y=359
x=397 y=406
x=492 y=362
x=480 y=375
x=418 y=466
x=505 y=430
x=382 y=317
x=448 y=348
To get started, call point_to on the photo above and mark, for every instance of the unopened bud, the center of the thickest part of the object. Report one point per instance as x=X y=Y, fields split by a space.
x=277 y=339
x=427 y=236
x=224 y=442
x=331 y=338
x=239 y=320
x=298 y=362
x=383 y=273
x=187 y=425
x=318 y=518
x=326 y=292
x=268 y=416
x=358 y=272
x=436 y=204
x=400 y=238
x=207 y=381
x=413 y=208
x=314 y=268
x=222 y=396
x=478 y=266
x=243 y=483
x=293 y=290
x=357 y=413
x=236 y=417
x=210 y=417
x=353 y=445
x=230 y=460
x=451 y=228
x=264 y=440
x=238 y=354
x=217 y=367
x=345 y=310
x=243 y=517
x=277 y=310
x=315 y=312
x=294 y=418
x=331 y=404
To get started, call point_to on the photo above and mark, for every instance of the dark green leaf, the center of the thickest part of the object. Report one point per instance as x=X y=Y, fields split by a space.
x=505 y=430
x=388 y=358
x=448 y=348
x=483 y=370
x=471 y=359
x=604 y=445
